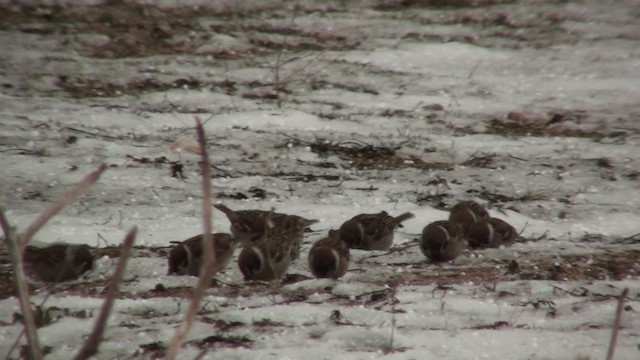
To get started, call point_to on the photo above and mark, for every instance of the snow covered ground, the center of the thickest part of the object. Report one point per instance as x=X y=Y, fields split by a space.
x=327 y=110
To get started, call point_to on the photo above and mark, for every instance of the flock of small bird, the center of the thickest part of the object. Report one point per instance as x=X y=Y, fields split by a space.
x=271 y=241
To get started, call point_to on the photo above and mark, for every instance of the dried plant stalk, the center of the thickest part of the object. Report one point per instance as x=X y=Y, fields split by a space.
x=616 y=324
x=17 y=243
x=30 y=328
x=92 y=343
x=201 y=354
x=80 y=189
x=208 y=265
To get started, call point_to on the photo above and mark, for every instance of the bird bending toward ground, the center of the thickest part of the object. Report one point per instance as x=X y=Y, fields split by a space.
x=186 y=257
x=248 y=224
x=466 y=213
x=329 y=257
x=371 y=231
x=442 y=241
x=268 y=256
x=491 y=233
x=58 y=262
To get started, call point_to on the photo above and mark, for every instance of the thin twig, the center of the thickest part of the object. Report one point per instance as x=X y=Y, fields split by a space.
x=616 y=324
x=4 y=223
x=362 y=295
x=394 y=249
x=394 y=302
x=336 y=185
x=293 y=138
x=473 y=70
x=585 y=292
x=15 y=250
x=209 y=263
x=26 y=151
x=524 y=227
x=516 y=158
x=299 y=70
x=226 y=173
x=624 y=240
x=217 y=282
x=453 y=100
x=80 y=189
x=276 y=71
x=416 y=107
x=370 y=188
x=90 y=346
x=201 y=354
x=14 y=345
x=89 y=133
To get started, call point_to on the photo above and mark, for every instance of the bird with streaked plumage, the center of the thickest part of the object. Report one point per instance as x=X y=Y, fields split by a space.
x=442 y=240
x=58 y=262
x=329 y=256
x=372 y=231
x=186 y=257
x=491 y=233
x=267 y=256
x=466 y=213
x=248 y=224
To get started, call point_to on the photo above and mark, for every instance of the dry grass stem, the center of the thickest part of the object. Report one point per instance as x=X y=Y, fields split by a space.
x=90 y=346
x=394 y=302
x=16 y=244
x=4 y=223
x=80 y=189
x=278 y=65
x=208 y=265
x=14 y=345
x=616 y=324
x=201 y=354
x=21 y=282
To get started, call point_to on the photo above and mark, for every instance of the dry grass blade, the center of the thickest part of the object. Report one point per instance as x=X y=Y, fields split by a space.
x=206 y=272
x=394 y=302
x=21 y=285
x=90 y=346
x=13 y=346
x=277 y=81
x=4 y=223
x=80 y=189
x=616 y=324
x=18 y=242
x=201 y=354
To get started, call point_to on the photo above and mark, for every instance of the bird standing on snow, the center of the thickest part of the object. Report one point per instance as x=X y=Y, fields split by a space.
x=491 y=233
x=58 y=262
x=371 y=231
x=186 y=258
x=442 y=241
x=251 y=224
x=466 y=213
x=268 y=256
x=329 y=257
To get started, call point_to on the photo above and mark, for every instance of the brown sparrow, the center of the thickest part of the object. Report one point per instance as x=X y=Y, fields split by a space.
x=442 y=241
x=268 y=256
x=371 y=231
x=466 y=213
x=491 y=233
x=187 y=256
x=329 y=257
x=267 y=259
x=58 y=262
x=250 y=224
